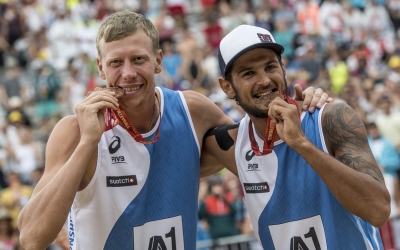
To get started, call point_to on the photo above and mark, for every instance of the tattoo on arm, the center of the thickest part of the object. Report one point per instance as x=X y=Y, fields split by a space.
x=346 y=139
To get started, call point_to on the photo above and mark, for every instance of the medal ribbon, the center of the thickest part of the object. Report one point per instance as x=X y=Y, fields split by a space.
x=270 y=131
x=121 y=118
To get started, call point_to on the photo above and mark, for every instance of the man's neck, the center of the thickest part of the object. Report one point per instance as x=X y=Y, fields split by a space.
x=145 y=116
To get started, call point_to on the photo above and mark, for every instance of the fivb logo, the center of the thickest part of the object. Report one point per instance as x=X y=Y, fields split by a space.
x=252 y=188
x=252 y=167
x=117 y=159
x=121 y=181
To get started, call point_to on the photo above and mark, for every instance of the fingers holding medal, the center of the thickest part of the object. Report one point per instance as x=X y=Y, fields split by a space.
x=287 y=120
x=105 y=96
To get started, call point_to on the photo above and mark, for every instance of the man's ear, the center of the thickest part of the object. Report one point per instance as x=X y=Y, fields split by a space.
x=100 y=68
x=226 y=87
x=159 y=57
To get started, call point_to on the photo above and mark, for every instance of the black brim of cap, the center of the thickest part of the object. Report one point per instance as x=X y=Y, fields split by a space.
x=273 y=46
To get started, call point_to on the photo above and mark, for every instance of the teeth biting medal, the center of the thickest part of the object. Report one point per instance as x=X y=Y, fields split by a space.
x=119 y=91
x=270 y=132
x=263 y=101
x=115 y=117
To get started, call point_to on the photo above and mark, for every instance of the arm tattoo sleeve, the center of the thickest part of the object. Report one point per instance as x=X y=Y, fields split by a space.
x=346 y=139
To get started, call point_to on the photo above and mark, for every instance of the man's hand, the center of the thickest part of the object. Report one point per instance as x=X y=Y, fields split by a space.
x=287 y=121
x=90 y=114
x=311 y=97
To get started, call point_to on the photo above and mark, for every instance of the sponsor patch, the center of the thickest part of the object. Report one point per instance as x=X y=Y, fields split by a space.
x=265 y=38
x=252 y=188
x=252 y=167
x=121 y=181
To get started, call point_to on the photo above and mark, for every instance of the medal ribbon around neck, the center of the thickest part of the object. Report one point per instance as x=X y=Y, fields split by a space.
x=269 y=133
x=119 y=116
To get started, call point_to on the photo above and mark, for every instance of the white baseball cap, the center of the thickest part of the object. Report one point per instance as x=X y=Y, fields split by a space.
x=242 y=39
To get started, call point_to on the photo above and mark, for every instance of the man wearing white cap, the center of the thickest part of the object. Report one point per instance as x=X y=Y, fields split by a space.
x=310 y=180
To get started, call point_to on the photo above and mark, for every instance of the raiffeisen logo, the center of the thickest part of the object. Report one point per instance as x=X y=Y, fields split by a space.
x=252 y=188
x=121 y=181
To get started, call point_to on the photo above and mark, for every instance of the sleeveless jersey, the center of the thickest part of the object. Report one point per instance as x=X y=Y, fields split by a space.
x=289 y=205
x=142 y=196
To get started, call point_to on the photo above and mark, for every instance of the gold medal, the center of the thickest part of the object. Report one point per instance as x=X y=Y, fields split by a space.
x=117 y=90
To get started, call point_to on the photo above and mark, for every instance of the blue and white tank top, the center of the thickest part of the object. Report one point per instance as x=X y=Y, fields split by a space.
x=142 y=196
x=289 y=205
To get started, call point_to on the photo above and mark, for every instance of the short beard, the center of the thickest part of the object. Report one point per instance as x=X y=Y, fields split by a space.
x=252 y=110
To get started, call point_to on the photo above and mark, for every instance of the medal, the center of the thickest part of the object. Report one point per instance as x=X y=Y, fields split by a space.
x=271 y=127
x=115 y=117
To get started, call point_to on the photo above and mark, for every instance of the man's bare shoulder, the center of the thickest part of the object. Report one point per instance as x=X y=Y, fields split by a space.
x=341 y=116
x=205 y=113
x=64 y=138
x=340 y=121
x=196 y=100
x=67 y=127
x=62 y=142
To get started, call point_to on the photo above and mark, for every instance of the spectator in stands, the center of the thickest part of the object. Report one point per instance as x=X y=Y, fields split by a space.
x=15 y=196
x=8 y=235
x=47 y=85
x=11 y=85
x=213 y=31
x=16 y=106
x=332 y=21
x=308 y=18
x=354 y=24
x=171 y=61
x=389 y=161
x=311 y=63
x=338 y=73
x=284 y=36
x=191 y=70
x=218 y=209
x=388 y=121
x=27 y=154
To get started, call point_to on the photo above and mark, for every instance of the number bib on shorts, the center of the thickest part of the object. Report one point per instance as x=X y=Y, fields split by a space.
x=290 y=207
x=142 y=196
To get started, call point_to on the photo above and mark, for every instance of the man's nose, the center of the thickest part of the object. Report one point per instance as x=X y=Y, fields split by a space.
x=128 y=71
x=263 y=78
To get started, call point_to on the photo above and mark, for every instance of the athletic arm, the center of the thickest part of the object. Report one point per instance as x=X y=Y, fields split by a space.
x=55 y=192
x=349 y=170
x=205 y=115
x=70 y=150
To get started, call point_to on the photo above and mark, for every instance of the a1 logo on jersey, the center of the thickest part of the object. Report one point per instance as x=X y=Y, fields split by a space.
x=165 y=234
x=306 y=234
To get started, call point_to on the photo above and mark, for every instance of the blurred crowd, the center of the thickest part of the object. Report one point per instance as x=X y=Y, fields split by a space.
x=349 y=48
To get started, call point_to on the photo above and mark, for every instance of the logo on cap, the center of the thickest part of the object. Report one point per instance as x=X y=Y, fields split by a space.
x=265 y=38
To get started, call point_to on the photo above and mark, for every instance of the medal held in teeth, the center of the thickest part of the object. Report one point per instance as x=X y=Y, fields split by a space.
x=115 y=117
x=270 y=132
